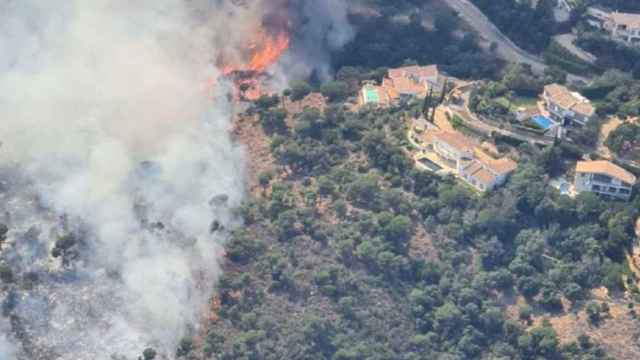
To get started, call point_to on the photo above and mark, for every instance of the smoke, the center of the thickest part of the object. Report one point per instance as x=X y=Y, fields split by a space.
x=321 y=27
x=7 y=347
x=117 y=173
x=116 y=161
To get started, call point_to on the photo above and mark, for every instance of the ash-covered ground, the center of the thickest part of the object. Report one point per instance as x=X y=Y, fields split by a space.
x=118 y=175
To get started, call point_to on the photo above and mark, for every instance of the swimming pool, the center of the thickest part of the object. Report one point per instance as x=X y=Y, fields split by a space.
x=371 y=95
x=430 y=164
x=543 y=121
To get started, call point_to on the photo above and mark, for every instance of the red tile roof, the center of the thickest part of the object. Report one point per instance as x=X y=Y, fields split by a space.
x=606 y=168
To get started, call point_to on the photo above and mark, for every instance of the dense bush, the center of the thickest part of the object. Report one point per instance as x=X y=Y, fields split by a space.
x=352 y=286
x=382 y=41
x=530 y=28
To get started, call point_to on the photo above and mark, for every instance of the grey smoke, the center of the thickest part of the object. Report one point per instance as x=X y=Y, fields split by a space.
x=106 y=119
x=108 y=133
x=320 y=27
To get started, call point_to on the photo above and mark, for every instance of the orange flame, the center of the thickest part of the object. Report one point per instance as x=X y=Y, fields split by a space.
x=264 y=50
x=261 y=52
x=272 y=49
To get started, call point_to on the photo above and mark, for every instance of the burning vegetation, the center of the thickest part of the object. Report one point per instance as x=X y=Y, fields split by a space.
x=262 y=50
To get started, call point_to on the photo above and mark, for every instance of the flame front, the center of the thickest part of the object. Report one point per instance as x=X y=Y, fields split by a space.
x=263 y=51
x=272 y=49
x=247 y=66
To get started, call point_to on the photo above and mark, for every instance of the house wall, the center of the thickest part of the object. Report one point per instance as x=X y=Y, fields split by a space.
x=450 y=153
x=629 y=36
x=471 y=180
x=561 y=113
x=558 y=111
x=477 y=183
x=582 y=119
x=603 y=185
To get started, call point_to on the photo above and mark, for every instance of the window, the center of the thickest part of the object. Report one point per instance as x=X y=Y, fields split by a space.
x=601 y=178
x=624 y=191
x=613 y=190
x=595 y=188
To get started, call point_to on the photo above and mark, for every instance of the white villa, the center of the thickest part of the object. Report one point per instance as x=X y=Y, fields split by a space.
x=466 y=159
x=604 y=178
x=564 y=104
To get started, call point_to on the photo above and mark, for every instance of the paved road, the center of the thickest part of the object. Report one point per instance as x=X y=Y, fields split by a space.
x=506 y=50
x=567 y=40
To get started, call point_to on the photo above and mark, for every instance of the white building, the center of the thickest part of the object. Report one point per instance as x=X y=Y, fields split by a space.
x=604 y=178
x=623 y=27
x=564 y=104
x=467 y=160
x=454 y=149
x=485 y=173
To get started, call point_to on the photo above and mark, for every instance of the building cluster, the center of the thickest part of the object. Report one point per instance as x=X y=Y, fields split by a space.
x=481 y=166
x=459 y=155
x=621 y=27
x=604 y=178
x=402 y=83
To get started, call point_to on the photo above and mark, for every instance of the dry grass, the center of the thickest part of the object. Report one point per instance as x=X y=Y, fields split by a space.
x=247 y=130
x=610 y=125
x=421 y=246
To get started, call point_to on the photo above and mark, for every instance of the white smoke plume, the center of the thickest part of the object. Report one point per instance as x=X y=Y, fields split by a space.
x=321 y=27
x=116 y=159
x=108 y=134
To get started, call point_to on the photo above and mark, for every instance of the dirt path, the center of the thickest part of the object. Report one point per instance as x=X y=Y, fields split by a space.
x=605 y=130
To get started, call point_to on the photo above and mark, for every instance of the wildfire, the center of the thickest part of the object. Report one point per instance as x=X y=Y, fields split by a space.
x=264 y=50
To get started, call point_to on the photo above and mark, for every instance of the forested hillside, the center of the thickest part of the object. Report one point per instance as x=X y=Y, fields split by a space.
x=349 y=252
x=354 y=255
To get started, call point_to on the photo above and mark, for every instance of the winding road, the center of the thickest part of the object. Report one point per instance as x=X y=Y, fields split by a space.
x=506 y=49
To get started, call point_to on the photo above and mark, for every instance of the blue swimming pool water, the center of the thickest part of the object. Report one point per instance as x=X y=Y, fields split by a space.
x=543 y=121
x=564 y=188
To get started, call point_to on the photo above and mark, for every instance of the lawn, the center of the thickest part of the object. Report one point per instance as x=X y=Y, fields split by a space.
x=517 y=102
x=523 y=101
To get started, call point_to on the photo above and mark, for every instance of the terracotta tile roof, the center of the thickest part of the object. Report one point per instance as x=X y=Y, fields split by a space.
x=584 y=108
x=606 y=168
x=414 y=70
x=484 y=176
x=502 y=166
x=560 y=95
x=456 y=140
x=477 y=171
x=407 y=86
x=630 y=20
x=563 y=97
